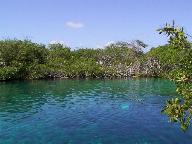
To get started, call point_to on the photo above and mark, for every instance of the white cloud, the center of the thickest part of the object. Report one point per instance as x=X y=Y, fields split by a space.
x=99 y=46
x=74 y=24
x=109 y=43
x=57 y=42
x=105 y=45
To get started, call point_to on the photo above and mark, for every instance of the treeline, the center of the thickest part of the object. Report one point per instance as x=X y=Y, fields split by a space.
x=27 y=60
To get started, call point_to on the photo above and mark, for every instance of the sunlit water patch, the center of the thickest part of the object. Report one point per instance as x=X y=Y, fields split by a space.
x=88 y=112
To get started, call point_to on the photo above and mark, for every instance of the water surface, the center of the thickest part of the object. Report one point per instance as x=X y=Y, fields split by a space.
x=88 y=112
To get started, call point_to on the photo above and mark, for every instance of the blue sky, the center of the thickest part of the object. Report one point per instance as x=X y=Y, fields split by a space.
x=91 y=23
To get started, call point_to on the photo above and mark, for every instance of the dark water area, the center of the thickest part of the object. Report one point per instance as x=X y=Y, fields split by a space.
x=88 y=112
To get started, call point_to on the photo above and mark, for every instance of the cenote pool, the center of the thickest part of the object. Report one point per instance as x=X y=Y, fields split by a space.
x=88 y=112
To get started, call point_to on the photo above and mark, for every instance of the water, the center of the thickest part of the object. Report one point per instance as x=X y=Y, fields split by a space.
x=88 y=112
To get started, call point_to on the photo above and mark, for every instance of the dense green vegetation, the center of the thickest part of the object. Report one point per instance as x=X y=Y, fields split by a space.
x=22 y=60
x=28 y=60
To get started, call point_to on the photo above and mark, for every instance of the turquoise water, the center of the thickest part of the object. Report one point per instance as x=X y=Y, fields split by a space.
x=88 y=112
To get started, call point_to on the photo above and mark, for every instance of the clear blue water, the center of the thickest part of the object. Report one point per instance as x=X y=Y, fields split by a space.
x=88 y=112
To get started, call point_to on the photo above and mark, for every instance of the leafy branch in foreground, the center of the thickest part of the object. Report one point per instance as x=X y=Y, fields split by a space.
x=180 y=109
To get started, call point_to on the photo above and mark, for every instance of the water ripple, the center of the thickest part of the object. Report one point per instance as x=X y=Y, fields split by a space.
x=87 y=112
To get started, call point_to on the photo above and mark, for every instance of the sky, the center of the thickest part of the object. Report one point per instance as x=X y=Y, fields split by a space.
x=92 y=23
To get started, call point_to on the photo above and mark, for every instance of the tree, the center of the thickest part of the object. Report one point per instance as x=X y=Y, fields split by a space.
x=136 y=45
x=20 y=58
x=180 y=109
